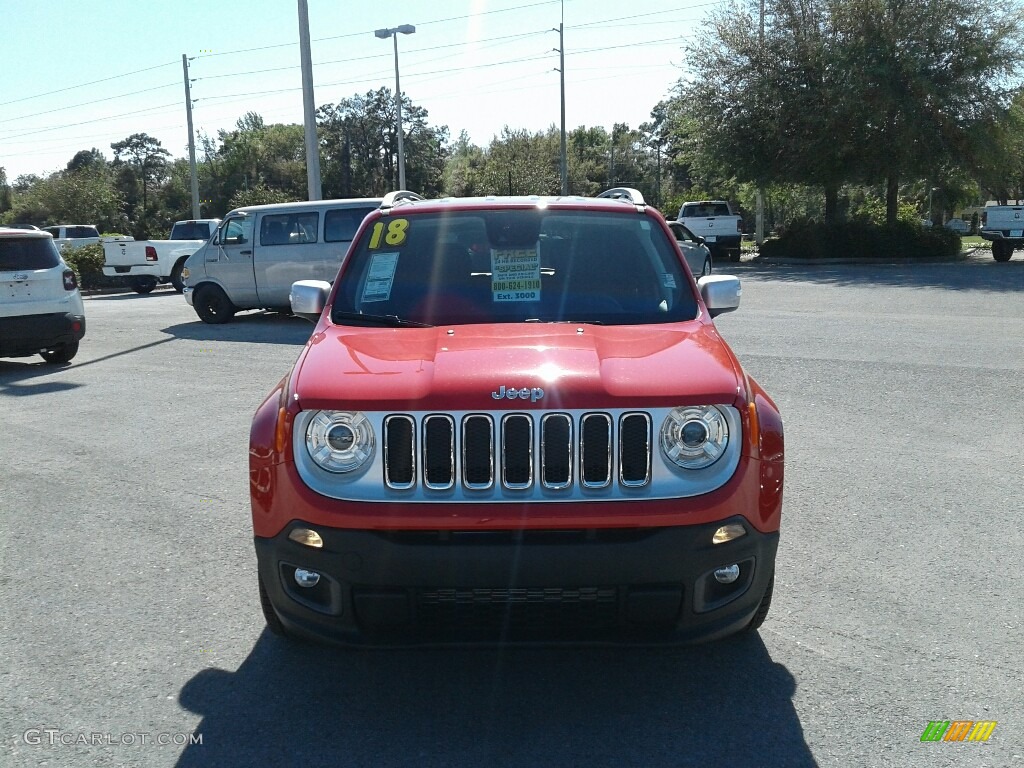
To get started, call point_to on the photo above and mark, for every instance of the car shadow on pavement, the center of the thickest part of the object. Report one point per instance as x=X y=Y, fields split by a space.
x=258 y=327
x=13 y=373
x=291 y=704
x=978 y=273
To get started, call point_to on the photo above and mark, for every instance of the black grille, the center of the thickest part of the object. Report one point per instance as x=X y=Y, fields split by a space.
x=439 y=451
x=635 y=449
x=553 y=451
x=400 y=461
x=478 y=451
x=519 y=608
x=595 y=449
x=517 y=451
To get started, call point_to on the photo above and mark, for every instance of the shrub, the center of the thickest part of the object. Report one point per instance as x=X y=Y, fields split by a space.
x=87 y=263
x=862 y=240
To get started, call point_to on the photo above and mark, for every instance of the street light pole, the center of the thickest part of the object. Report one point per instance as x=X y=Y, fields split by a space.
x=384 y=34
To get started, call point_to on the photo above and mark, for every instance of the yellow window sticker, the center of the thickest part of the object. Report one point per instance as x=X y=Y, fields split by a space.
x=515 y=274
x=393 y=234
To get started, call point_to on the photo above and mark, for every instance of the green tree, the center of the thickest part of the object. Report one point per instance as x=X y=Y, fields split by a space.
x=146 y=158
x=5 y=191
x=86 y=197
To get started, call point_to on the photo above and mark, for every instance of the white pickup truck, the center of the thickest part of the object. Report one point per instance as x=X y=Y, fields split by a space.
x=146 y=263
x=1004 y=226
x=73 y=235
x=714 y=221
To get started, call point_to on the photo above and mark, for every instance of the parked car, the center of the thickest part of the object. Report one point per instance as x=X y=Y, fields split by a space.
x=259 y=251
x=697 y=254
x=147 y=263
x=714 y=220
x=24 y=226
x=41 y=309
x=515 y=419
x=958 y=225
x=1003 y=225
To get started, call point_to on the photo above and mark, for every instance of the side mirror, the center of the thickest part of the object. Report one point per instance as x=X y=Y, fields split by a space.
x=308 y=298
x=721 y=293
x=700 y=240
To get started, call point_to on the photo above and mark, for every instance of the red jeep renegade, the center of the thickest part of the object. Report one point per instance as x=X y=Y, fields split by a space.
x=516 y=421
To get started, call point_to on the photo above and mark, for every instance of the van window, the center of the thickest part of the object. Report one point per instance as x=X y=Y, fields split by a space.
x=289 y=228
x=236 y=231
x=55 y=231
x=341 y=225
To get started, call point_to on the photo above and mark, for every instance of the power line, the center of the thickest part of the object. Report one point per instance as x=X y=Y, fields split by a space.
x=87 y=103
x=82 y=85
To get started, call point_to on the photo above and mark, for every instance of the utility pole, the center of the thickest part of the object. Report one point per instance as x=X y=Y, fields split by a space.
x=191 y=141
x=309 y=107
x=561 y=76
x=759 y=236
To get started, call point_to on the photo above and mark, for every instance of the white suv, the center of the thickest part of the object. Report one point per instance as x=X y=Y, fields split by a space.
x=41 y=309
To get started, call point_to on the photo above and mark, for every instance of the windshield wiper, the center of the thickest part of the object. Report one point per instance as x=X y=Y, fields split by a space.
x=577 y=322
x=388 y=321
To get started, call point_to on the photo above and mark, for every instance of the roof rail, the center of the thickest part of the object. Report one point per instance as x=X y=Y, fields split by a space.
x=626 y=193
x=391 y=199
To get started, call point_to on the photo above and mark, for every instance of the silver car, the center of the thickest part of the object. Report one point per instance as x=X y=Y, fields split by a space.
x=698 y=256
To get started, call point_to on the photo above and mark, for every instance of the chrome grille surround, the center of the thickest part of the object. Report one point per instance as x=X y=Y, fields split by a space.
x=645 y=477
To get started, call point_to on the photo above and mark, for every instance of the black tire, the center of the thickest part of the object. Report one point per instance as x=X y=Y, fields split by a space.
x=1001 y=251
x=176 y=279
x=762 y=609
x=273 y=621
x=734 y=256
x=144 y=285
x=61 y=354
x=706 y=269
x=213 y=305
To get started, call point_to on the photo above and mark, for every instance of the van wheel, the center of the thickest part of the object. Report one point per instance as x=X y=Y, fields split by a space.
x=212 y=305
x=61 y=354
x=144 y=285
x=762 y=609
x=176 y=279
x=273 y=621
x=1001 y=251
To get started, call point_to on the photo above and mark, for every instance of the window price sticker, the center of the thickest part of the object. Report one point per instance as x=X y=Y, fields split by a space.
x=380 y=277
x=515 y=274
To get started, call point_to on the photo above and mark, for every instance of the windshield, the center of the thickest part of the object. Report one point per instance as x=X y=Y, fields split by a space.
x=514 y=266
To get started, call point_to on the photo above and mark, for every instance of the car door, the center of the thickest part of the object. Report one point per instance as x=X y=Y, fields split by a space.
x=230 y=262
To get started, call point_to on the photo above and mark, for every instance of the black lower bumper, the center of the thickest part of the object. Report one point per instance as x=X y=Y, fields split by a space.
x=586 y=586
x=28 y=334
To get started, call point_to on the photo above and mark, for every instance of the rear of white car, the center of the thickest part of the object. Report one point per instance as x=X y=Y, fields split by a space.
x=41 y=309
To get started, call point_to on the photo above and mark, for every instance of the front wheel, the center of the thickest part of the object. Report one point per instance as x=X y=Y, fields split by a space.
x=706 y=269
x=176 y=279
x=61 y=354
x=1001 y=251
x=144 y=285
x=213 y=305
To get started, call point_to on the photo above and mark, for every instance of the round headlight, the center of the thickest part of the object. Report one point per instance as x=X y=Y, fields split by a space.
x=694 y=437
x=339 y=441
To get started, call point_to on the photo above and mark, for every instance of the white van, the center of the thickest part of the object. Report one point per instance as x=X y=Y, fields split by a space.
x=259 y=251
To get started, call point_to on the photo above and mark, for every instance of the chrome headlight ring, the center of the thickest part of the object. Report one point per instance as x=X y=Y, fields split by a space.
x=339 y=441
x=694 y=437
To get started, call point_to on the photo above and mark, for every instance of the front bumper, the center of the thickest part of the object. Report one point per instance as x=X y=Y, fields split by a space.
x=29 y=334
x=187 y=292
x=636 y=585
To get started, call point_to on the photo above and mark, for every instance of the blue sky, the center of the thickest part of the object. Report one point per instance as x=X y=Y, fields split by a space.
x=82 y=74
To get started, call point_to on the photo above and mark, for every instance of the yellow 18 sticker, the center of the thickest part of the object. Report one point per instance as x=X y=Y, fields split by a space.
x=394 y=234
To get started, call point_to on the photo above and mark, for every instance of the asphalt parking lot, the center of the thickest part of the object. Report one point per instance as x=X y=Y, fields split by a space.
x=130 y=615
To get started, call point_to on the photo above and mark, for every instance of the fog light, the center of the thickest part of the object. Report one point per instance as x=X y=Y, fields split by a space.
x=309 y=579
x=726 y=575
x=728 y=533
x=307 y=537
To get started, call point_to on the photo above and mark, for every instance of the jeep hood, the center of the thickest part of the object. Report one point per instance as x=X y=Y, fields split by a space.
x=462 y=368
